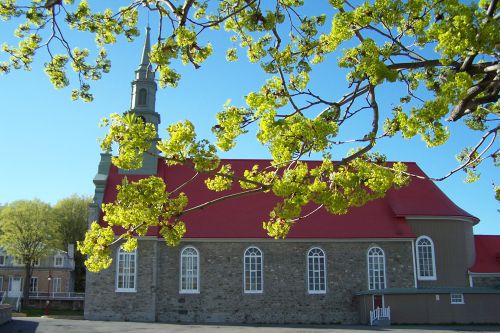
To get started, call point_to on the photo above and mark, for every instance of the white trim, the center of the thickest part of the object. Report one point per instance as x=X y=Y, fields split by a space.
x=17 y=262
x=126 y=290
x=309 y=291
x=368 y=266
x=190 y=291
x=36 y=284
x=494 y=274
x=460 y=296
x=54 y=284
x=261 y=291
x=414 y=264
x=57 y=256
x=290 y=240
x=471 y=280
x=453 y=218
x=433 y=277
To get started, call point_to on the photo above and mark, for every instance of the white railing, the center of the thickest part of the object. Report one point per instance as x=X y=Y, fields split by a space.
x=380 y=313
x=18 y=303
x=58 y=295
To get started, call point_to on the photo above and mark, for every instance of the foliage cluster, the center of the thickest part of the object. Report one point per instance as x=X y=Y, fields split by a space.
x=444 y=54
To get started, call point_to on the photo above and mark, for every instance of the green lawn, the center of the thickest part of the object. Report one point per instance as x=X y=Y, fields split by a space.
x=52 y=312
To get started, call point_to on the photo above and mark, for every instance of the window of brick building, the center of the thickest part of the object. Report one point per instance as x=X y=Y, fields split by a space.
x=56 y=285
x=189 y=279
x=316 y=271
x=34 y=284
x=253 y=272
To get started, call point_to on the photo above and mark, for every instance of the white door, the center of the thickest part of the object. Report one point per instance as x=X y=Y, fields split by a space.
x=15 y=287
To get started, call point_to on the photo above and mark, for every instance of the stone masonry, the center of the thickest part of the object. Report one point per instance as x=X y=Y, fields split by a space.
x=487 y=281
x=221 y=299
x=102 y=302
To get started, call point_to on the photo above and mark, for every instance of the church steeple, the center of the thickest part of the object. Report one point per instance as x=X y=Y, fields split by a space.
x=144 y=87
x=142 y=104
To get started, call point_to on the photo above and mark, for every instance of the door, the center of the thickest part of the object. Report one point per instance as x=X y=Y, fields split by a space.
x=15 y=284
x=378 y=301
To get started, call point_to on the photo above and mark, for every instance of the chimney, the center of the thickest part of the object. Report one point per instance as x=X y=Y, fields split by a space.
x=71 y=251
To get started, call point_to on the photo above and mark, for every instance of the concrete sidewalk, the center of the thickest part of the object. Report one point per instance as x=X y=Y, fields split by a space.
x=50 y=325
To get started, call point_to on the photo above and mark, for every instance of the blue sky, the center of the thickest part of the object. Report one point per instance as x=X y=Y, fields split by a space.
x=49 y=144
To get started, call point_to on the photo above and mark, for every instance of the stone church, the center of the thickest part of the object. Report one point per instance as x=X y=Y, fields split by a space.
x=413 y=252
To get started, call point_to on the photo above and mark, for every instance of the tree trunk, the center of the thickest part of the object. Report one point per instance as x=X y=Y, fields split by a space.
x=26 y=288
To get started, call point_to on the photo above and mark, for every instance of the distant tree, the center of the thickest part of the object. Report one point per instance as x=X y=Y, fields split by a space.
x=70 y=217
x=27 y=233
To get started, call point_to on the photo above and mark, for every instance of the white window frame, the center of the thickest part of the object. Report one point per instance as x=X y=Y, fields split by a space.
x=192 y=278
x=58 y=284
x=127 y=257
x=37 y=263
x=433 y=259
x=9 y=286
x=372 y=283
x=315 y=288
x=457 y=298
x=253 y=273
x=58 y=256
x=16 y=261
x=34 y=285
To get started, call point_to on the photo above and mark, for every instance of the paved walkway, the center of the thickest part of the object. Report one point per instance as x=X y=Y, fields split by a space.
x=48 y=325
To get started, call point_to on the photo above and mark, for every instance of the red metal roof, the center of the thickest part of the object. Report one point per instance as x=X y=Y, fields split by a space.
x=423 y=198
x=242 y=217
x=487 y=254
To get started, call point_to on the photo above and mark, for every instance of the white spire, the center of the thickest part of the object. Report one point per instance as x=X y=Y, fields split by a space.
x=146 y=49
x=145 y=69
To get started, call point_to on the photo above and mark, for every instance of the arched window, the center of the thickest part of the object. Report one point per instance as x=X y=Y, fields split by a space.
x=253 y=273
x=376 y=268
x=143 y=94
x=426 y=264
x=190 y=262
x=126 y=268
x=316 y=271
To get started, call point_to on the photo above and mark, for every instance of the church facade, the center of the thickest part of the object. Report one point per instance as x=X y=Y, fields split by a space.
x=413 y=251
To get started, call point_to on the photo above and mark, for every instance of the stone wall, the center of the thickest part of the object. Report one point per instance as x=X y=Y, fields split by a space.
x=486 y=281
x=102 y=302
x=5 y=313
x=285 y=298
x=221 y=299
